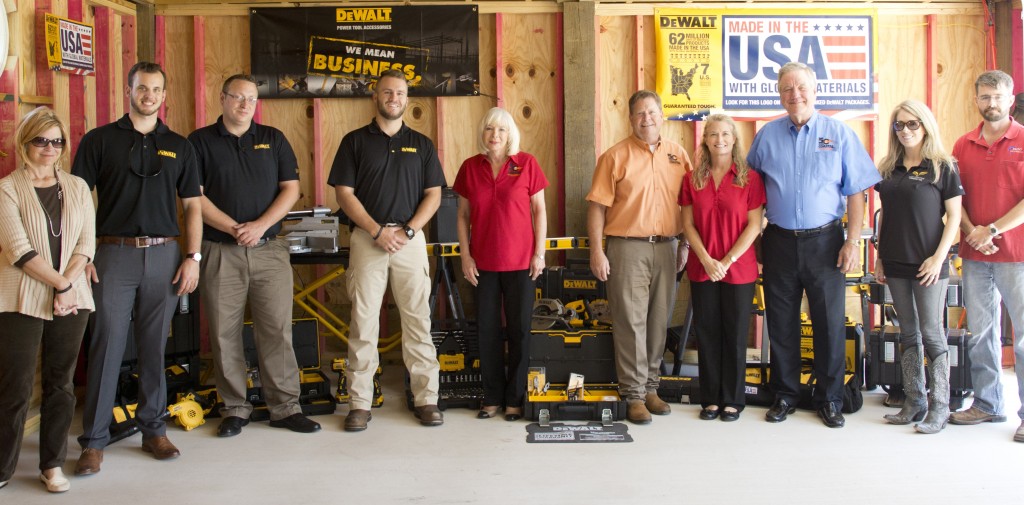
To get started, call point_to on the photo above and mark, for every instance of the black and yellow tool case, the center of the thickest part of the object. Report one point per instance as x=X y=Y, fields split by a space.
x=884 y=369
x=555 y=355
x=569 y=283
x=679 y=389
x=315 y=395
x=756 y=383
x=460 y=383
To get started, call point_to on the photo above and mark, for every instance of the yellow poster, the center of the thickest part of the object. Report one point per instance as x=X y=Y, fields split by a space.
x=714 y=61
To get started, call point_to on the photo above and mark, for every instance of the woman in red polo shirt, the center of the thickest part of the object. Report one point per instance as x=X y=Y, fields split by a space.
x=502 y=225
x=722 y=204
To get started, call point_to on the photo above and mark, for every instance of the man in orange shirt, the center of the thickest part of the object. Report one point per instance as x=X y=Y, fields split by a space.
x=633 y=204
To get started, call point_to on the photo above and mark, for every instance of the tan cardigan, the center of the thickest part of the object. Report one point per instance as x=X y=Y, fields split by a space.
x=24 y=227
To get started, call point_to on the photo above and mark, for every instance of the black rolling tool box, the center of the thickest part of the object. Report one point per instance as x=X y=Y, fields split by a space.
x=572 y=282
x=458 y=354
x=679 y=389
x=315 y=395
x=884 y=369
x=558 y=355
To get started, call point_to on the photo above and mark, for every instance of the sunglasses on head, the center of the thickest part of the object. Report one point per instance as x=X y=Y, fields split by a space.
x=913 y=124
x=41 y=142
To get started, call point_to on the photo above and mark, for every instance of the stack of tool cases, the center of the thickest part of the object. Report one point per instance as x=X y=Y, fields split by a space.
x=458 y=354
x=757 y=379
x=557 y=355
x=315 y=396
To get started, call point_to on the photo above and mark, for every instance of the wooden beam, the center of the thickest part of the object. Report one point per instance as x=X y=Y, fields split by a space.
x=101 y=34
x=145 y=25
x=199 y=65
x=9 y=79
x=319 y=182
x=1017 y=49
x=499 y=63
x=160 y=53
x=44 y=76
x=579 y=123
x=129 y=50
x=560 y=121
x=76 y=91
x=932 y=75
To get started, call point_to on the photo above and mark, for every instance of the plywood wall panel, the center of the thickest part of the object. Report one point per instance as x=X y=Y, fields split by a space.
x=460 y=119
x=227 y=54
x=178 y=65
x=294 y=117
x=959 y=58
x=340 y=117
x=617 y=64
x=531 y=92
x=488 y=55
x=902 y=69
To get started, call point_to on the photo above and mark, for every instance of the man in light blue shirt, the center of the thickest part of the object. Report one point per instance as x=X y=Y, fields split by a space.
x=814 y=167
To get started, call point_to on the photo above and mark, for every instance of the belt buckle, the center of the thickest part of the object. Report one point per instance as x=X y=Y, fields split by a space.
x=141 y=242
x=652 y=239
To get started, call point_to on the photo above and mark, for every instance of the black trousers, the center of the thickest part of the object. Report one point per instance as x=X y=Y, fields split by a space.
x=516 y=290
x=721 y=316
x=21 y=338
x=793 y=265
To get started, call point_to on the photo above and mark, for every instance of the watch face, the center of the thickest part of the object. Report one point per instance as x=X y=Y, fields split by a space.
x=409 y=232
x=196 y=256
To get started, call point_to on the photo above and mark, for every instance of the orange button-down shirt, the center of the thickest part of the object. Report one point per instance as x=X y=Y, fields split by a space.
x=640 y=188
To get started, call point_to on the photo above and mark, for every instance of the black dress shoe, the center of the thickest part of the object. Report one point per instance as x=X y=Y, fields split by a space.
x=513 y=414
x=231 y=426
x=729 y=416
x=297 y=423
x=780 y=409
x=708 y=414
x=831 y=416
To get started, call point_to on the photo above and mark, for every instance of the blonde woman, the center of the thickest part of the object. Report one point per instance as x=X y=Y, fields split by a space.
x=46 y=238
x=920 y=186
x=722 y=205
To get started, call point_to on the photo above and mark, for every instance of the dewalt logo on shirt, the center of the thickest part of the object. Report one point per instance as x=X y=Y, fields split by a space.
x=261 y=146
x=169 y=154
x=409 y=150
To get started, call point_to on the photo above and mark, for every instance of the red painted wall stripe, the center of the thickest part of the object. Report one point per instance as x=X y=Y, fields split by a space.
x=129 y=54
x=44 y=77
x=76 y=90
x=8 y=111
x=101 y=36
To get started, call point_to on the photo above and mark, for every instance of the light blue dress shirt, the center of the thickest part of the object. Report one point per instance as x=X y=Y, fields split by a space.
x=809 y=172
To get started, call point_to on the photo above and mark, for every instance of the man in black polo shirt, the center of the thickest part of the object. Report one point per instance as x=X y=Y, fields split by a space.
x=138 y=167
x=250 y=181
x=388 y=182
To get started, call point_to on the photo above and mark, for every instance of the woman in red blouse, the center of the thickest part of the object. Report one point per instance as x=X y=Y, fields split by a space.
x=722 y=204
x=502 y=224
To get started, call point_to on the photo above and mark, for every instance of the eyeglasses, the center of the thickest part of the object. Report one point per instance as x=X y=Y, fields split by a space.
x=913 y=124
x=251 y=100
x=135 y=161
x=42 y=142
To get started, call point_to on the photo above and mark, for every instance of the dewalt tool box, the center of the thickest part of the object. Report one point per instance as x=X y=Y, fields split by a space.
x=679 y=389
x=572 y=282
x=555 y=357
x=315 y=396
x=884 y=368
x=757 y=376
x=458 y=354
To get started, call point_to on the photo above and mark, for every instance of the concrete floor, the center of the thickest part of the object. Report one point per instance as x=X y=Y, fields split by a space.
x=677 y=459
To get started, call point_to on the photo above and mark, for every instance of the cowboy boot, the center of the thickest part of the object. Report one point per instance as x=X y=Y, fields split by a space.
x=938 y=396
x=915 y=405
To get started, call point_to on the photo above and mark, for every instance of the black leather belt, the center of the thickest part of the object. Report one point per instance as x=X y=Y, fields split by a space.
x=652 y=238
x=809 y=232
x=137 y=242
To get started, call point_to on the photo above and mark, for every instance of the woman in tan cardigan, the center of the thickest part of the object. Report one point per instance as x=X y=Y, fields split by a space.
x=47 y=237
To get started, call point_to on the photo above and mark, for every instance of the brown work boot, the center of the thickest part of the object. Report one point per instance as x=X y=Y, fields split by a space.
x=356 y=419
x=637 y=412
x=974 y=415
x=655 y=405
x=161 y=447
x=89 y=461
x=429 y=415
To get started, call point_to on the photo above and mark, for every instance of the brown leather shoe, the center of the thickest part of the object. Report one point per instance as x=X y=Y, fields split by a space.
x=161 y=447
x=655 y=405
x=356 y=420
x=429 y=415
x=637 y=412
x=89 y=461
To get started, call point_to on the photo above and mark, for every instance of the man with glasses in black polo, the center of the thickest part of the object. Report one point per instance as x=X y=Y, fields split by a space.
x=250 y=181
x=138 y=167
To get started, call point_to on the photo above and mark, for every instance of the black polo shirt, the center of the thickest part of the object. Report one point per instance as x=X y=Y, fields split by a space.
x=912 y=211
x=137 y=178
x=242 y=175
x=389 y=174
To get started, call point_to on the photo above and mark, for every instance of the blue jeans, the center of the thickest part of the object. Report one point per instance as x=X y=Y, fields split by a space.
x=985 y=284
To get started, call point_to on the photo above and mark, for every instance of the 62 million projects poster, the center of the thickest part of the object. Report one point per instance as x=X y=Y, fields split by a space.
x=709 y=61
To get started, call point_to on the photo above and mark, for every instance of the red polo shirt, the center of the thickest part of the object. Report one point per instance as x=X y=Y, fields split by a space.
x=993 y=182
x=720 y=215
x=501 y=223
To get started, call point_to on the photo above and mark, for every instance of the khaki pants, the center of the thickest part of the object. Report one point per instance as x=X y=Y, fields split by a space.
x=641 y=292
x=369 y=270
x=231 y=275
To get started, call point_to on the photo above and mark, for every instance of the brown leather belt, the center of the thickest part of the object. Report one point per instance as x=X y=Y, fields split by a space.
x=652 y=238
x=137 y=242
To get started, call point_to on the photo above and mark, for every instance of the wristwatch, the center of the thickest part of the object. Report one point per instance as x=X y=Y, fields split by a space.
x=992 y=230
x=195 y=256
x=409 y=232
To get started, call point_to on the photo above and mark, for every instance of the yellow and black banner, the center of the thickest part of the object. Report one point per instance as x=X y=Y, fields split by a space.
x=340 y=51
x=68 y=45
